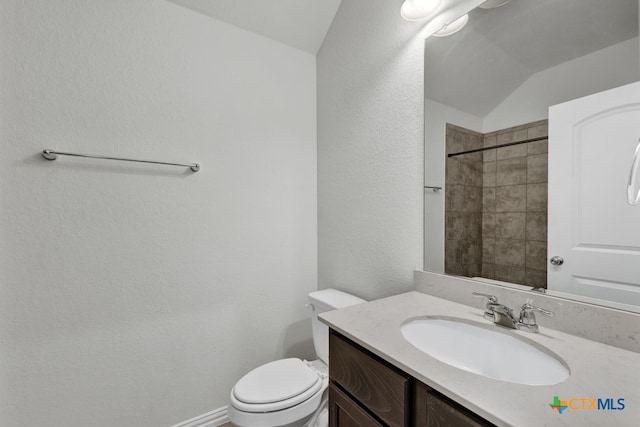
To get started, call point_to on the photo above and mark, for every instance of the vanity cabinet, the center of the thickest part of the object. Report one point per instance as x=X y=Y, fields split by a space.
x=345 y=412
x=366 y=391
x=376 y=386
x=432 y=409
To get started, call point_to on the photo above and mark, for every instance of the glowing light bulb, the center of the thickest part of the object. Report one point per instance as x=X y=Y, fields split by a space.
x=417 y=10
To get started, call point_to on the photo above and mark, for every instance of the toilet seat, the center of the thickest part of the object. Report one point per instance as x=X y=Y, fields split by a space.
x=276 y=386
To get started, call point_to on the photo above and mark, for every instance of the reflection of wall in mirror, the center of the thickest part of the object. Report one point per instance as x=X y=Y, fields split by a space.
x=463 y=203
x=496 y=204
x=611 y=67
x=605 y=69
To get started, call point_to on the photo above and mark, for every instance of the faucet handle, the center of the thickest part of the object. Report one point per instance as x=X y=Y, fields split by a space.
x=529 y=308
x=527 y=320
x=492 y=301
x=491 y=298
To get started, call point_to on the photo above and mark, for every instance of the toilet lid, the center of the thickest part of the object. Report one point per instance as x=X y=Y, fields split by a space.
x=275 y=382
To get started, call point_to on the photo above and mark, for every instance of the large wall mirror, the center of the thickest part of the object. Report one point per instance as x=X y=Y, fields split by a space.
x=532 y=116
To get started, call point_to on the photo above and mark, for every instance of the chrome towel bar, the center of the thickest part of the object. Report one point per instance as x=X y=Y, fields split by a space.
x=435 y=189
x=52 y=155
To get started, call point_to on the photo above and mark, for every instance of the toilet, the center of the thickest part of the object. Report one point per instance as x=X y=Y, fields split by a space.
x=289 y=392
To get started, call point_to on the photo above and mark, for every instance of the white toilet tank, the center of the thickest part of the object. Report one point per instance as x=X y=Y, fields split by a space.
x=319 y=302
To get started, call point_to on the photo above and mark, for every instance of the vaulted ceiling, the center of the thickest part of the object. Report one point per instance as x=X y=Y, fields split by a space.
x=492 y=56
x=302 y=24
x=499 y=49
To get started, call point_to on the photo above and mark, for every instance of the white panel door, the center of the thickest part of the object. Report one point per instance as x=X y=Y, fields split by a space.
x=592 y=227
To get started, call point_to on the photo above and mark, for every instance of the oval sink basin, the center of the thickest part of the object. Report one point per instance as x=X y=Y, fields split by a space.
x=484 y=350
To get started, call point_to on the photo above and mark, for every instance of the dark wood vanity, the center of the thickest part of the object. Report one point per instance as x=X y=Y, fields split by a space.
x=365 y=390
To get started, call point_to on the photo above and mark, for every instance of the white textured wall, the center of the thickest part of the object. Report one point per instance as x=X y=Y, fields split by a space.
x=137 y=295
x=370 y=150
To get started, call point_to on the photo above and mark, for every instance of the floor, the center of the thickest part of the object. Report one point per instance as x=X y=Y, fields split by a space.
x=227 y=425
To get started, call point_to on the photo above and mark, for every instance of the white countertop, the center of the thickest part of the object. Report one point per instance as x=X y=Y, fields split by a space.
x=597 y=370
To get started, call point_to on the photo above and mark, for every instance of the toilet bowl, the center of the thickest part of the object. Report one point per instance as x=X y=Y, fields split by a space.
x=289 y=392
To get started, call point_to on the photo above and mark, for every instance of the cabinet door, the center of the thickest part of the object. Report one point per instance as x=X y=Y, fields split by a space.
x=382 y=389
x=434 y=410
x=344 y=412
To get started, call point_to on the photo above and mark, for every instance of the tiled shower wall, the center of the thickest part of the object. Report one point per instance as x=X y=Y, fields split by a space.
x=514 y=206
x=463 y=203
x=513 y=236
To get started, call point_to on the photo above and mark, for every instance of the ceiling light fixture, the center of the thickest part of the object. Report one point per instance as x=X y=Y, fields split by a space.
x=417 y=10
x=492 y=4
x=453 y=27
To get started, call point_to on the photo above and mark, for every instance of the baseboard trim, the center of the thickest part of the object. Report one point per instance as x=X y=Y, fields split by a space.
x=215 y=418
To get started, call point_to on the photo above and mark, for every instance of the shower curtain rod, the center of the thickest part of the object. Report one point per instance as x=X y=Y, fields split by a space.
x=509 y=144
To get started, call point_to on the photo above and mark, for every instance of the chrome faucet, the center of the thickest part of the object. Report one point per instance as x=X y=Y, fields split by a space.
x=502 y=315
x=489 y=314
x=527 y=320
